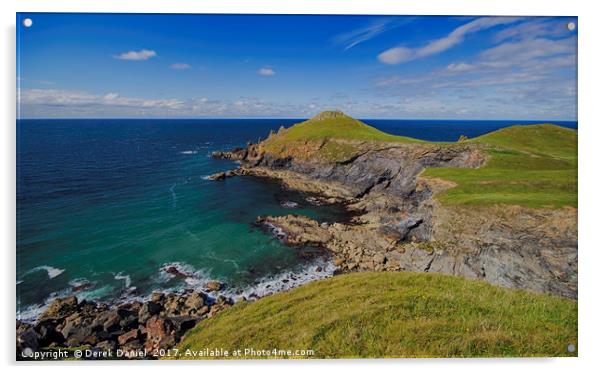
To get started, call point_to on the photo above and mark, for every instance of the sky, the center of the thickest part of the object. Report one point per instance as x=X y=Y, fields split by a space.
x=289 y=66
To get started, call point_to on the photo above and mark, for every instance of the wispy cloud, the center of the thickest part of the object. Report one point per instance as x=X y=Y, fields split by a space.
x=69 y=98
x=460 y=67
x=179 y=66
x=266 y=71
x=526 y=73
x=399 y=54
x=376 y=27
x=68 y=103
x=141 y=55
x=543 y=27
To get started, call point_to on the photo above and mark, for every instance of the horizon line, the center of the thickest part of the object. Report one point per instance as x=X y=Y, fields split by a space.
x=290 y=118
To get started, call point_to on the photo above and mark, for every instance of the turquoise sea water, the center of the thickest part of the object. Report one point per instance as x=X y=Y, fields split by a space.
x=110 y=203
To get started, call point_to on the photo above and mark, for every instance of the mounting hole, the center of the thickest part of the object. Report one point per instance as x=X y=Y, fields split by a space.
x=571 y=26
x=27 y=22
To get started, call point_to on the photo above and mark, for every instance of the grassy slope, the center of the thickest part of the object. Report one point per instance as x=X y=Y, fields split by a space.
x=396 y=315
x=533 y=165
x=335 y=126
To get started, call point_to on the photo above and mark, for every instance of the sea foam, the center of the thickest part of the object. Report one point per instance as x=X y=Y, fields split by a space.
x=51 y=271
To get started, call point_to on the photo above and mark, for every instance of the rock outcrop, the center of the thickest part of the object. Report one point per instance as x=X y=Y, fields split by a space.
x=158 y=323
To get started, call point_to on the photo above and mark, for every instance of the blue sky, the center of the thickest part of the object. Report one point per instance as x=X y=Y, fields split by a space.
x=123 y=65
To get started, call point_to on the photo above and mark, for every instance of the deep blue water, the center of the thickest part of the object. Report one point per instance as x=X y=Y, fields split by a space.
x=109 y=203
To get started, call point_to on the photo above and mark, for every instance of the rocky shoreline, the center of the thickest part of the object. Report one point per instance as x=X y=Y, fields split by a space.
x=151 y=326
x=398 y=226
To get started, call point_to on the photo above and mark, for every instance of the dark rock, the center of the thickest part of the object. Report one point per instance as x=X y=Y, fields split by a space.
x=217 y=176
x=81 y=286
x=148 y=310
x=183 y=324
x=112 y=322
x=174 y=271
x=106 y=346
x=26 y=337
x=129 y=322
x=48 y=333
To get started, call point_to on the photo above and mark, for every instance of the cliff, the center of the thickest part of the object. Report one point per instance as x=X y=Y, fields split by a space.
x=500 y=207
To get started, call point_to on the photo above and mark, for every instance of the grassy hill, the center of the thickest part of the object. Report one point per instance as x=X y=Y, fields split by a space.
x=533 y=165
x=396 y=315
x=330 y=135
x=333 y=124
x=529 y=165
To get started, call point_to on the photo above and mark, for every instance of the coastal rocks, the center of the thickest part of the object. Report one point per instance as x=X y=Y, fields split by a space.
x=297 y=229
x=222 y=175
x=213 y=286
x=252 y=154
x=157 y=323
x=160 y=334
x=27 y=338
x=148 y=310
x=505 y=246
x=217 y=176
x=60 y=308
x=237 y=154
x=173 y=270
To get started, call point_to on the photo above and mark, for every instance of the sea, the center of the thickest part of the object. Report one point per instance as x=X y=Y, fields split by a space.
x=106 y=206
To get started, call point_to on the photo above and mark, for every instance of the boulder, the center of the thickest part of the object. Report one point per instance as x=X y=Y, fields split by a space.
x=48 y=333
x=195 y=301
x=182 y=324
x=60 y=308
x=160 y=333
x=217 y=176
x=106 y=345
x=148 y=310
x=128 y=337
x=26 y=337
x=213 y=286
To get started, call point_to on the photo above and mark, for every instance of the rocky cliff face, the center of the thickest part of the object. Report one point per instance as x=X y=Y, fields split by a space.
x=399 y=226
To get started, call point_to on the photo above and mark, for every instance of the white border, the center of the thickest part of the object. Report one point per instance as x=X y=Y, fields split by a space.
x=590 y=136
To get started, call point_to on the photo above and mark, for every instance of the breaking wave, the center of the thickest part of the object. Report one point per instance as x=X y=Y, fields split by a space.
x=51 y=271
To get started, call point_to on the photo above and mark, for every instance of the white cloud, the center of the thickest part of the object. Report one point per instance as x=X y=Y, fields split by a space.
x=67 y=98
x=399 y=54
x=49 y=103
x=534 y=28
x=141 y=55
x=266 y=71
x=525 y=52
x=376 y=27
x=460 y=67
x=179 y=66
x=394 y=56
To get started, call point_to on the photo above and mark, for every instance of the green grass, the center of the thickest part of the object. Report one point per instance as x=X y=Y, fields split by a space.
x=534 y=166
x=529 y=165
x=340 y=126
x=330 y=129
x=395 y=315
